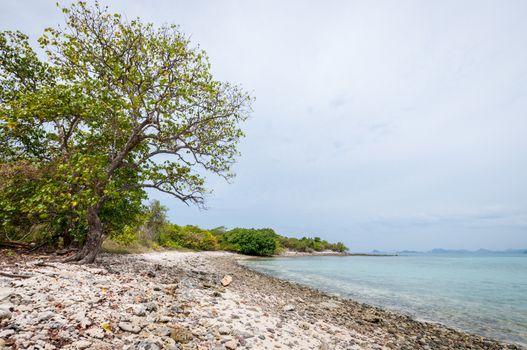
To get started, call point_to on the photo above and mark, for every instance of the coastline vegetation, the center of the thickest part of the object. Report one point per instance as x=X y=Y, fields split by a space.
x=155 y=230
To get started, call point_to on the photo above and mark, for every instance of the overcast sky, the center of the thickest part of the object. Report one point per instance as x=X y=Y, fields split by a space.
x=384 y=124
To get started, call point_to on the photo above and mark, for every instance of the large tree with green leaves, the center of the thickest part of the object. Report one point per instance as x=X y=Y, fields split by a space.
x=118 y=106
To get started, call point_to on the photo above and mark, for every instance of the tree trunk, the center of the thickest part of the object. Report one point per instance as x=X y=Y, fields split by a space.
x=93 y=241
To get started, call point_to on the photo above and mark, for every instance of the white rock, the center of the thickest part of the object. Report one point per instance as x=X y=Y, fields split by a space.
x=139 y=310
x=95 y=333
x=226 y=280
x=5 y=293
x=289 y=307
x=224 y=330
x=82 y=344
x=129 y=327
x=231 y=344
x=4 y=312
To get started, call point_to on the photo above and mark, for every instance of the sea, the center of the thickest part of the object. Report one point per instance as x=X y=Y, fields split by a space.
x=484 y=294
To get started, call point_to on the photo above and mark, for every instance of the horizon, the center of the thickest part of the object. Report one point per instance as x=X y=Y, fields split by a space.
x=388 y=126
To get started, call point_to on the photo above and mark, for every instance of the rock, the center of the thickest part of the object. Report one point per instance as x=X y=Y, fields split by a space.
x=95 y=333
x=139 y=310
x=163 y=331
x=289 y=307
x=4 y=313
x=231 y=344
x=145 y=345
x=85 y=322
x=226 y=280
x=55 y=324
x=5 y=293
x=224 y=330
x=82 y=344
x=7 y=333
x=304 y=325
x=244 y=334
x=181 y=335
x=164 y=319
x=324 y=346
x=151 y=306
x=45 y=315
x=129 y=327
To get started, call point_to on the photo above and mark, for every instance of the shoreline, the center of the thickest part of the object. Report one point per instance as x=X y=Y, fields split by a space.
x=176 y=300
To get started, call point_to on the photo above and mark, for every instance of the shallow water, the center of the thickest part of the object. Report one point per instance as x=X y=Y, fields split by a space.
x=482 y=294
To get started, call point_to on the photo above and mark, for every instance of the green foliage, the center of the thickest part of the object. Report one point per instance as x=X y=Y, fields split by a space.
x=191 y=237
x=262 y=242
x=126 y=236
x=154 y=219
x=315 y=244
x=118 y=106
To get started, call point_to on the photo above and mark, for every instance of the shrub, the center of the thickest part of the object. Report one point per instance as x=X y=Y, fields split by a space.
x=262 y=242
x=191 y=237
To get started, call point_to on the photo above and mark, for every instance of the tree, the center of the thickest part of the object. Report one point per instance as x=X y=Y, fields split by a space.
x=119 y=106
x=262 y=242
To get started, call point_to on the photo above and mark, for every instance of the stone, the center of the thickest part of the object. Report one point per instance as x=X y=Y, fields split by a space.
x=129 y=327
x=5 y=293
x=85 y=322
x=55 y=324
x=181 y=335
x=6 y=333
x=82 y=344
x=224 y=330
x=163 y=331
x=139 y=310
x=304 y=325
x=231 y=344
x=4 y=313
x=95 y=333
x=145 y=345
x=244 y=334
x=289 y=307
x=151 y=307
x=226 y=280
x=45 y=315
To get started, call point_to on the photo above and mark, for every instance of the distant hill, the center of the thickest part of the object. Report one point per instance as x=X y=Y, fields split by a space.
x=459 y=251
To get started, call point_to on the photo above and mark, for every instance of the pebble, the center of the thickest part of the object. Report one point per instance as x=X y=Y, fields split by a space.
x=129 y=327
x=95 y=333
x=231 y=344
x=226 y=280
x=145 y=345
x=4 y=314
x=82 y=344
x=289 y=307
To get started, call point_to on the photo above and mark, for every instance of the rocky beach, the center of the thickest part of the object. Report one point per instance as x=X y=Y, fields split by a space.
x=187 y=300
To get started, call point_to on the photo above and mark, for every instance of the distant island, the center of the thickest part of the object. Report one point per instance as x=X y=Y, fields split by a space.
x=456 y=251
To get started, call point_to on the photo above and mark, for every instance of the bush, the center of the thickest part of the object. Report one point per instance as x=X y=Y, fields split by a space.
x=191 y=237
x=126 y=236
x=262 y=242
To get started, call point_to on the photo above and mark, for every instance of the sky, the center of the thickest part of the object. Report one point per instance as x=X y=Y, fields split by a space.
x=387 y=125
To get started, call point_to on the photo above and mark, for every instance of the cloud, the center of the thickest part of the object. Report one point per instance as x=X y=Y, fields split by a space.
x=387 y=125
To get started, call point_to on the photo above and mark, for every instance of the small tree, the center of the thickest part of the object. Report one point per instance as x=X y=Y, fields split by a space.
x=118 y=107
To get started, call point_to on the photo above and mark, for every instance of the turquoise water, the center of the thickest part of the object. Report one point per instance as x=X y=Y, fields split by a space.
x=486 y=295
